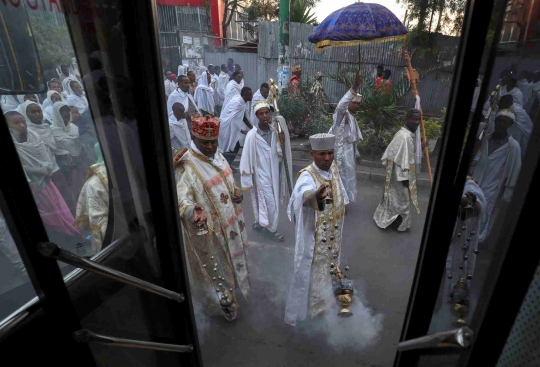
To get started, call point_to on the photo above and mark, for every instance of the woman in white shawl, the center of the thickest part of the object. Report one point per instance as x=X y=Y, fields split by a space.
x=34 y=119
x=76 y=96
x=70 y=149
x=39 y=167
x=204 y=95
x=28 y=97
x=53 y=85
x=52 y=97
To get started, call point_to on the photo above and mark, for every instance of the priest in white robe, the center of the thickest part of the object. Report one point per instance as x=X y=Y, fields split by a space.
x=209 y=199
x=169 y=83
x=497 y=167
x=319 y=228
x=400 y=182
x=348 y=134
x=259 y=169
x=234 y=124
x=234 y=87
x=182 y=95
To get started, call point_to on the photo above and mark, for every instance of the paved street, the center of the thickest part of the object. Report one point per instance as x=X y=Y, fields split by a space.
x=382 y=267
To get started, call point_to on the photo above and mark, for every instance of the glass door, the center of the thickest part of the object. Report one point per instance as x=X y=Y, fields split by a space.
x=97 y=187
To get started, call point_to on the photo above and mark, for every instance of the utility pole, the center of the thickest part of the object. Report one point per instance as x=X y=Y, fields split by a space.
x=284 y=64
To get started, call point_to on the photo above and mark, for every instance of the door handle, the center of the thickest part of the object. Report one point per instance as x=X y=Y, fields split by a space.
x=457 y=338
x=51 y=250
x=86 y=336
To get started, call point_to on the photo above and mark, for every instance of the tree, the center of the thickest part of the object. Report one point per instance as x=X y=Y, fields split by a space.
x=422 y=14
x=229 y=8
x=53 y=43
x=302 y=13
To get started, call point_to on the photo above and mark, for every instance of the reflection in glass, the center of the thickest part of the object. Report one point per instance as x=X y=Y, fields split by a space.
x=15 y=287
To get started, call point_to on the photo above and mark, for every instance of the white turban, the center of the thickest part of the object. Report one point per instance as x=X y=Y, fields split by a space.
x=257 y=106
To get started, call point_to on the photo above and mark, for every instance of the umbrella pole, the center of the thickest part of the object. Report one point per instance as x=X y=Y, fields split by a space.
x=412 y=76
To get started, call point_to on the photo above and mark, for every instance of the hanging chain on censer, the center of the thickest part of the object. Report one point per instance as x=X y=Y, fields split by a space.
x=459 y=293
x=224 y=291
x=341 y=285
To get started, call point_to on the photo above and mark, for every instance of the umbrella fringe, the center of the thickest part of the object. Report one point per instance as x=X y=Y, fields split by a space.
x=329 y=43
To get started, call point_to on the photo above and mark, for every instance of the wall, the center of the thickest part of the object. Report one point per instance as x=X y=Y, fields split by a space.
x=435 y=87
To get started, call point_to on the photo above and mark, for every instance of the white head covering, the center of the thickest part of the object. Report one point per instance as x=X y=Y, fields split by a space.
x=322 y=141
x=48 y=102
x=66 y=136
x=257 y=106
x=33 y=152
x=43 y=130
x=507 y=113
x=204 y=94
x=74 y=100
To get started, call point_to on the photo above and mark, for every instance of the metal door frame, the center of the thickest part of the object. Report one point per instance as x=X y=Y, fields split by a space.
x=495 y=312
x=24 y=221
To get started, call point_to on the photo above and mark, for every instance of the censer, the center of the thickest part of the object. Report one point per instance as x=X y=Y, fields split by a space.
x=343 y=290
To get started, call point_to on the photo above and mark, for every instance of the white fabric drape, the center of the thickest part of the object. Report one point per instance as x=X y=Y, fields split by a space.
x=514 y=92
x=66 y=136
x=74 y=100
x=178 y=96
x=204 y=95
x=9 y=103
x=179 y=133
x=231 y=90
x=43 y=130
x=170 y=86
x=223 y=79
x=47 y=105
x=232 y=123
x=259 y=169
x=497 y=174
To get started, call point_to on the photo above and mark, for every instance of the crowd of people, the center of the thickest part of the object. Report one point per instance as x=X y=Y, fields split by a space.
x=58 y=146
x=211 y=116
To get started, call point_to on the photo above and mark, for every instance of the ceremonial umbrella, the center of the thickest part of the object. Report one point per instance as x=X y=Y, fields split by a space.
x=357 y=24
x=362 y=23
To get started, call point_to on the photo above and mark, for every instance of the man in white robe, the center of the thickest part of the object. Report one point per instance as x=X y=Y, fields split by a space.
x=261 y=95
x=182 y=95
x=522 y=127
x=170 y=85
x=234 y=124
x=319 y=228
x=259 y=169
x=400 y=183
x=223 y=79
x=509 y=86
x=204 y=95
x=233 y=88
x=497 y=168
x=524 y=84
x=182 y=69
x=178 y=127
x=348 y=134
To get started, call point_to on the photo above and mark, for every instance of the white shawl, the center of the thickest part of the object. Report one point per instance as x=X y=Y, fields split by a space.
x=178 y=129
x=33 y=153
x=232 y=122
x=43 y=130
x=232 y=89
x=74 y=100
x=223 y=79
x=204 y=95
x=66 y=137
x=9 y=103
x=179 y=96
x=47 y=105
x=515 y=93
